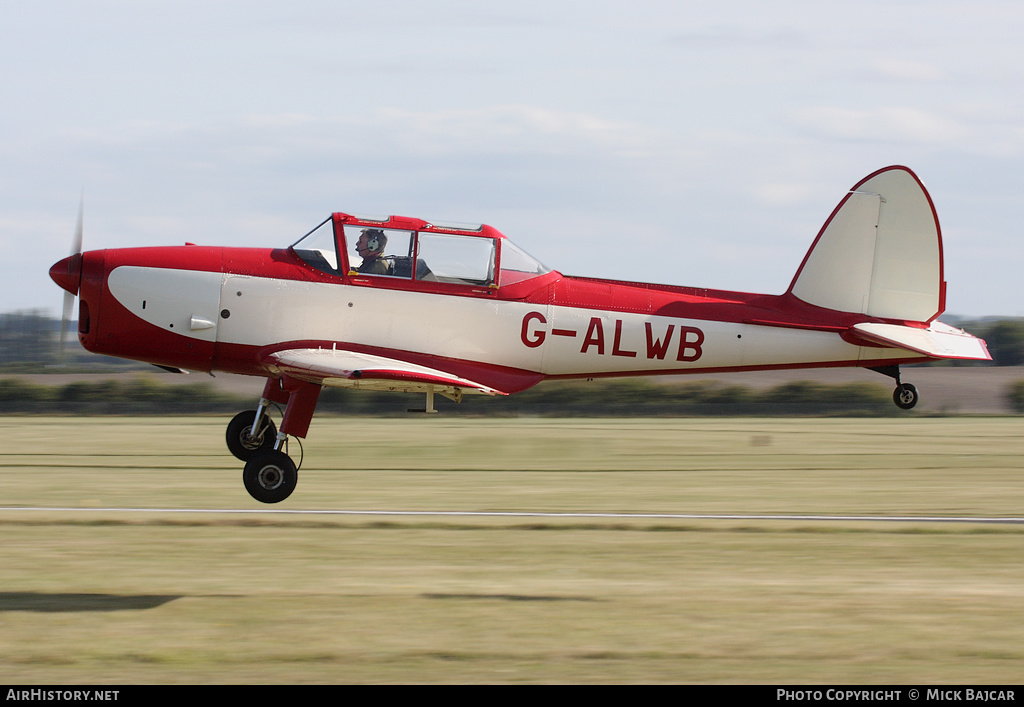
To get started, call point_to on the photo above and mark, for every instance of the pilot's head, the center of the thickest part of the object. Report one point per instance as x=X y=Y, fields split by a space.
x=371 y=243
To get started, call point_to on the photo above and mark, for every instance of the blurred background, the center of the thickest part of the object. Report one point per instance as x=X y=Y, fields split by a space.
x=659 y=141
x=679 y=142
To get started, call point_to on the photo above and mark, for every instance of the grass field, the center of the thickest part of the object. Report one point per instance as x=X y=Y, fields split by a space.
x=140 y=598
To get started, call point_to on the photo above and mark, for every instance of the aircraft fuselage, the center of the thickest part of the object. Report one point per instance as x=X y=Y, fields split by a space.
x=221 y=309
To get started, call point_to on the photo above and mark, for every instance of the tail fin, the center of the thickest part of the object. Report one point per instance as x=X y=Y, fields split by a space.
x=879 y=253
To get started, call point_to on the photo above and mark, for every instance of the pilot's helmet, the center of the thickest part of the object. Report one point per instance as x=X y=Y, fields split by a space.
x=375 y=240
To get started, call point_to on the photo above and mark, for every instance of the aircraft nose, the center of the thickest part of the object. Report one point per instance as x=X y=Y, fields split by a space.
x=68 y=273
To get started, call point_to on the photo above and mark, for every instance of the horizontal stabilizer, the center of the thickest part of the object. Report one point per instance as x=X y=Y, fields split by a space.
x=938 y=340
x=341 y=368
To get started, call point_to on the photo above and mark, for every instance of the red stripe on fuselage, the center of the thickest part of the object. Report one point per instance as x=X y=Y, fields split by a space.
x=692 y=303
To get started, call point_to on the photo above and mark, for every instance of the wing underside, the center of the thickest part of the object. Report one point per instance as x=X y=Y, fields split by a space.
x=350 y=369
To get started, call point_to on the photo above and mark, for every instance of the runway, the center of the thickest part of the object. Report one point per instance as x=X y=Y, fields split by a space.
x=630 y=550
x=998 y=520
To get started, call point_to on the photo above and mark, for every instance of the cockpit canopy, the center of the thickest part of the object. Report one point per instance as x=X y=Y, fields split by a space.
x=414 y=250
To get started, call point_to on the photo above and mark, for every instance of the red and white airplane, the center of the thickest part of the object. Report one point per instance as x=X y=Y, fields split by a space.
x=449 y=310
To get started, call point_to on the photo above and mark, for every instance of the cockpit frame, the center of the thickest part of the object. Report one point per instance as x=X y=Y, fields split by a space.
x=455 y=259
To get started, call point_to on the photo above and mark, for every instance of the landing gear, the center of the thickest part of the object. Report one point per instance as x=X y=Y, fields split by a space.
x=905 y=396
x=270 y=476
x=245 y=440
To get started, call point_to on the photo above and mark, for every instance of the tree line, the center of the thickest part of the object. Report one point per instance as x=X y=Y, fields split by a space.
x=634 y=397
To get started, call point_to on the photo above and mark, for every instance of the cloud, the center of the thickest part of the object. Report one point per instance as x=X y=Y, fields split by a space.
x=509 y=129
x=732 y=37
x=885 y=124
x=268 y=138
x=782 y=193
x=910 y=71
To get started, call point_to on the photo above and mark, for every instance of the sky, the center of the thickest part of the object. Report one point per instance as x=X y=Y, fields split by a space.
x=688 y=143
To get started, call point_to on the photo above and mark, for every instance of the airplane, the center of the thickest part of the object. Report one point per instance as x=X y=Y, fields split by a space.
x=447 y=309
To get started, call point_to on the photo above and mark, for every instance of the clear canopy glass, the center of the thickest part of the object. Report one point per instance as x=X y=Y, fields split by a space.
x=439 y=257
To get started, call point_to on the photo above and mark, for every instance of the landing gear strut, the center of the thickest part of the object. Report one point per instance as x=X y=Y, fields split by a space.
x=905 y=396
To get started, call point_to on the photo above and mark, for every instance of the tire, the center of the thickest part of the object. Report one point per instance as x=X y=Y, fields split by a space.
x=241 y=443
x=270 y=477
x=905 y=396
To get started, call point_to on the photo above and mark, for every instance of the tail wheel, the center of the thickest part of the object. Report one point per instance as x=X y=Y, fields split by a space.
x=242 y=442
x=905 y=396
x=270 y=476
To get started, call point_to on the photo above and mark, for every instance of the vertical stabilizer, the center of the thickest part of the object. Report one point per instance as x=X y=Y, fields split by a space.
x=879 y=253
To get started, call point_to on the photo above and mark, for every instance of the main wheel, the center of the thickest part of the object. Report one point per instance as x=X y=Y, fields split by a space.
x=905 y=396
x=270 y=476
x=242 y=443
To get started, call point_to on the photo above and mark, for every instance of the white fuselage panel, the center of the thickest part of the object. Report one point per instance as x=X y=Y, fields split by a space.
x=548 y=339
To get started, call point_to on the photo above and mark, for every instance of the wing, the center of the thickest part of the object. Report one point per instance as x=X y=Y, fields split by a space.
x=349 y=369
x=938 y=340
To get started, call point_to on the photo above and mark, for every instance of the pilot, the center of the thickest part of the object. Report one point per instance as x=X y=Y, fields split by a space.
x=370 y=247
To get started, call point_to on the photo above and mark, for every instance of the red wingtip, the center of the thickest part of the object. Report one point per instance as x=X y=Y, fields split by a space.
x=68 y=273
